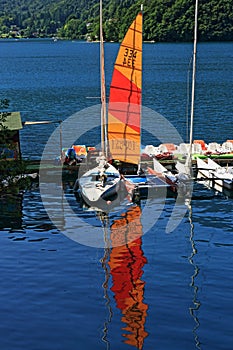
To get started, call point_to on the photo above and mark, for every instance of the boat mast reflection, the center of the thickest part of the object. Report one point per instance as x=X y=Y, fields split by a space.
x=104 y=262
x=126 y=263
x=196 y=304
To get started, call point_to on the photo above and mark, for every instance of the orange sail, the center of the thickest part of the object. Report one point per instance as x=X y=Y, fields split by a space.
x=124 y=111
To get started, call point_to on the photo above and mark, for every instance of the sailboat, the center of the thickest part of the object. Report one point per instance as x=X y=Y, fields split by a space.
x=125 y=112
x=101 y=185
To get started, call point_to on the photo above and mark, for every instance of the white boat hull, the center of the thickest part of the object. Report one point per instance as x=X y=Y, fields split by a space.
x=96 y=192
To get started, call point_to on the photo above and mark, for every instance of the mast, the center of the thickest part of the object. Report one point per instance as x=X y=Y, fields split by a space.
x=102 y=83
x=193 y=86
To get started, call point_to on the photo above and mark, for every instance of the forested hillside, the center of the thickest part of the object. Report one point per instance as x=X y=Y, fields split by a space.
x=164 y=20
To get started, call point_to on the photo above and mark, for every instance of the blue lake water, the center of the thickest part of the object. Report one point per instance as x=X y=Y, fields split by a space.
x=164 y=291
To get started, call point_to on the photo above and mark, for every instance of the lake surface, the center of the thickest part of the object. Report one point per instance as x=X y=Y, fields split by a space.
x=161 y=290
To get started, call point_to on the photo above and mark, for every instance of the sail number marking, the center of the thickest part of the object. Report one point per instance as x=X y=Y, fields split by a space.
x=130 y=56
x=123 y=144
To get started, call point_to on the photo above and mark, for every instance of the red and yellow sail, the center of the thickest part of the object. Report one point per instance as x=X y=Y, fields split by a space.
x=124 y=111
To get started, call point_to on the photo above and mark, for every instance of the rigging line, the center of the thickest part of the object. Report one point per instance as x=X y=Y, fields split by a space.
x=193 y=86
x=187 y=101
x=103 y=89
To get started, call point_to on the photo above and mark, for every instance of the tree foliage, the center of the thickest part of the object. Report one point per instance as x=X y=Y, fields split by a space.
x=12 y=172
x=164 y=20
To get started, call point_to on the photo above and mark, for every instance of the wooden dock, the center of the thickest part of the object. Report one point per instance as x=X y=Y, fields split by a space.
x=36 y=165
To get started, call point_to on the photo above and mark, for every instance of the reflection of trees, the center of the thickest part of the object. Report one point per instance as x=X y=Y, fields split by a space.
x=11 y=212
x=126 y=263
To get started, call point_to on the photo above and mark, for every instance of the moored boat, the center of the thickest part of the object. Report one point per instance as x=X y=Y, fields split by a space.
x=100 y=187
x=125 y=114
x=103 y=181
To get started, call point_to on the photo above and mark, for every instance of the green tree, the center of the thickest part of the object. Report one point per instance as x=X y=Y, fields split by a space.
x=164 y=20
x=74 y=29
x=111 y=30
x=12 y=172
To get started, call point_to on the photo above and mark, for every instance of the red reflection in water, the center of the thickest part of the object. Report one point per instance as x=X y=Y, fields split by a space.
x=126 y=263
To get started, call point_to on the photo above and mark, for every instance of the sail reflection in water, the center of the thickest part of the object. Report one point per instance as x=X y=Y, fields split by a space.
x=126 y=263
